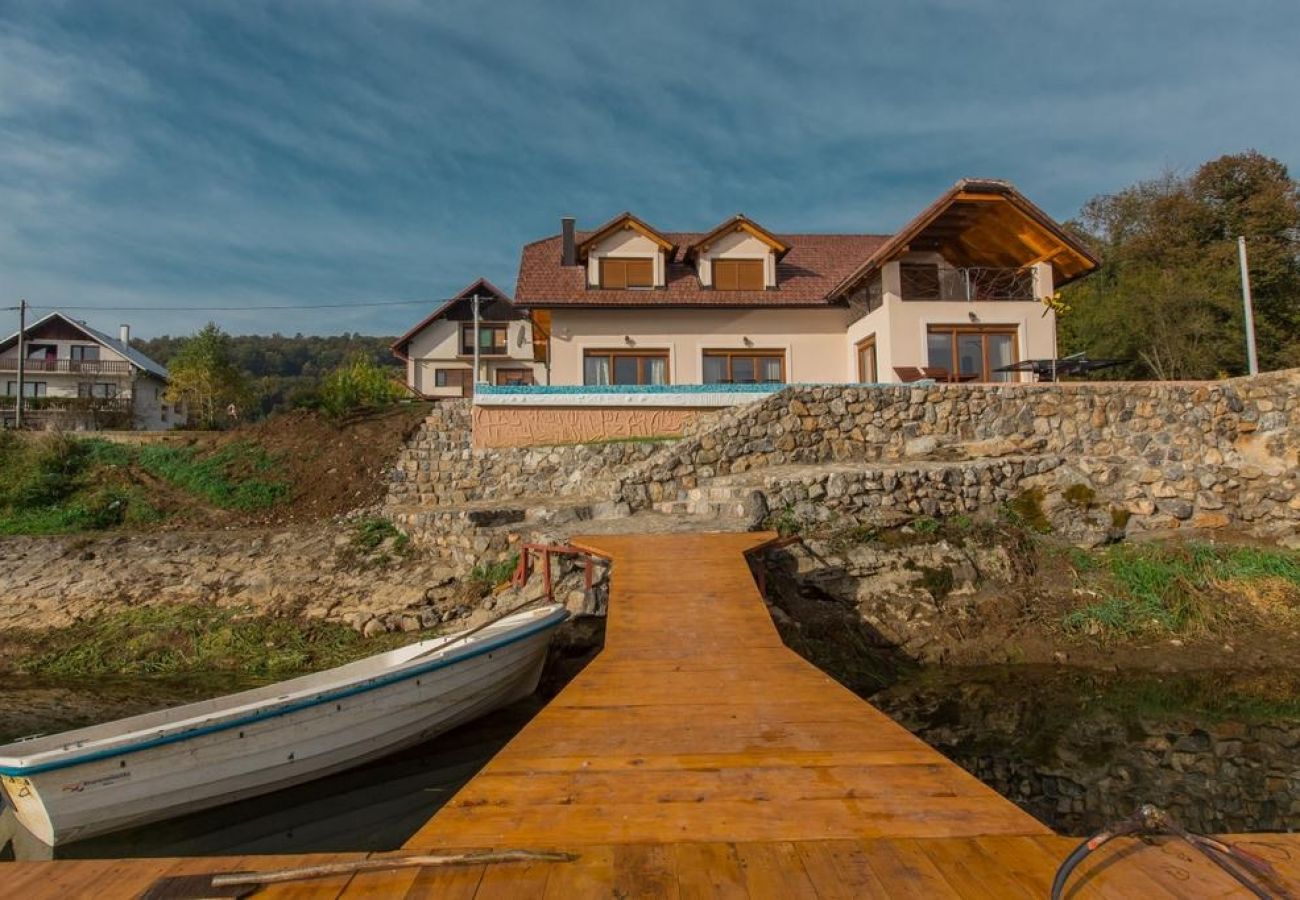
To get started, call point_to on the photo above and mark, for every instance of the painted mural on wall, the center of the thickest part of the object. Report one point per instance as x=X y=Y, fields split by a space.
x=500 y=426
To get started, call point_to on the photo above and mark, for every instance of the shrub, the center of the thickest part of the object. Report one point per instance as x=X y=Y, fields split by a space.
x=358 y=385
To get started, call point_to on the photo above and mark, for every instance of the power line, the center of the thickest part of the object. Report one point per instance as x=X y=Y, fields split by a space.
x=305 y=306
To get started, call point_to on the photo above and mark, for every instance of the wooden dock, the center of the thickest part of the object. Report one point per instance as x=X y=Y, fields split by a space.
x=697 y=756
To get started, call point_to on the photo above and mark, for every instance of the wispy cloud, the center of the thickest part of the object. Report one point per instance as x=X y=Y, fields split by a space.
x=226 y=153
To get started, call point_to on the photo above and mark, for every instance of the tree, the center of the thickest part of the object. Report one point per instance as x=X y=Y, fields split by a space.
x=205 y=379
x=357 y=385
x=1168 y=294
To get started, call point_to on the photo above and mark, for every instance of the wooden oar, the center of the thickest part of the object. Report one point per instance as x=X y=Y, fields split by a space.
x=477 y=628
x=276 y=876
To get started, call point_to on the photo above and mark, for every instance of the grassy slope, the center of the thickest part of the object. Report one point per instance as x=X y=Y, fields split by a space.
x=57 y=484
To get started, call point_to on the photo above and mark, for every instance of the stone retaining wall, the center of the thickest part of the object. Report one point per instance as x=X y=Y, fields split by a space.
x=440 y=467
x=1167 y=453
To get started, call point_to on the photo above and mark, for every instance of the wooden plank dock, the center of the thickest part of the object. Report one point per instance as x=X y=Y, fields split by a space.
x=697 y=756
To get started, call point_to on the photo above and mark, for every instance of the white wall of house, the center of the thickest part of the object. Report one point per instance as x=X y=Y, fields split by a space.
x=629 y=244
x=438 y=347
x=873 y=325
x=153 y=411
x=737 y=245
x=901 y=327
x=812 y=339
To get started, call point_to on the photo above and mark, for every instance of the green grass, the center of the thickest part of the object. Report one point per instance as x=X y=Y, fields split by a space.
x=179 y=640
x=1177 y=588
x=492 y=574
x=58 y=484
x=218 y=477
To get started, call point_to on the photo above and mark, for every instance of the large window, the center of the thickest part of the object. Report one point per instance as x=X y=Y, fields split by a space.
x=84 y=352
x=738 y=275
x=868 y=371
x=492 y=339
x=625 y=367
x=744 y=366
x=620 y=273
x=972 y=353
x=30 y=388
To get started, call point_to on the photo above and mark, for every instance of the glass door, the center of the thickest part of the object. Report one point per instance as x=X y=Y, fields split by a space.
x=963 y=353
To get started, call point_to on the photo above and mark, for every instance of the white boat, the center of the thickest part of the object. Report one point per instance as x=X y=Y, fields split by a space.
x=108 y=777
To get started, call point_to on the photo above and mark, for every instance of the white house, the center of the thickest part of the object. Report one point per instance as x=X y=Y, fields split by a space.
x=78 y=378
x=439 y=351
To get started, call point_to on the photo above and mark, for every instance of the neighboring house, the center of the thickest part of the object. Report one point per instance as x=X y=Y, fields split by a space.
x=439 y=351
x=81 y=379
x=955 y=295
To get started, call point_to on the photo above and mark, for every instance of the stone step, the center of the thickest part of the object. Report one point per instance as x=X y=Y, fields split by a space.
x=487 y=515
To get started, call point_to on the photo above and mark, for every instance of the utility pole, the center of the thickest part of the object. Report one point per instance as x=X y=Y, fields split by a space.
x=475 y=378
x=22 y=362
x=1252 y=361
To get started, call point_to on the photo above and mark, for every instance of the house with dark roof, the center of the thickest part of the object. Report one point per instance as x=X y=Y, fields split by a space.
x=79 y=378
x=439 y=351
x=956 y=295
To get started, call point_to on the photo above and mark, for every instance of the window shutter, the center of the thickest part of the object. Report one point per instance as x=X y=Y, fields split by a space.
x=613 y=273
x=724 y=275
x=640 y=273
x=749 y=275
x=738 y=275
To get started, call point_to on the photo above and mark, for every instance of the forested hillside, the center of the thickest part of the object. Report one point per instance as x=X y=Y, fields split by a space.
x=1168 y=295
x=281 y=368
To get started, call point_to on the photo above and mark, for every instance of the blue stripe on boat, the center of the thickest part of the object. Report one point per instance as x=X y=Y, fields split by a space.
x=550 y=621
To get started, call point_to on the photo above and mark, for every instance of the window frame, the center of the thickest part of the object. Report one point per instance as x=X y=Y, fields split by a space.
x=467 y=338
x=529 y=376
x=954 y=331
x=868 y=342
x=603 y=262
x=641 y=355
x=737 y=262
x=757 y=353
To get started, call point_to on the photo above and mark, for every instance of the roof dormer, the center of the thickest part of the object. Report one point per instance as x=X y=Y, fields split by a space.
x=625 y=254
x=738 y=255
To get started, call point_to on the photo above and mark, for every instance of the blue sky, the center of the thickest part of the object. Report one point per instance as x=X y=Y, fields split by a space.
x=297 y=153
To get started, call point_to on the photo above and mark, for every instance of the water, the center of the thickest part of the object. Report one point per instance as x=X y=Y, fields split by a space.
x=1080 y=749
x=1076 y=748
x=373 y=807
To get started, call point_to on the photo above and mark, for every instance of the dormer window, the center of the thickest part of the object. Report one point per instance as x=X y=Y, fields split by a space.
x=625 y=254
x=738 y=255
x=621 y=273
x=738 y=275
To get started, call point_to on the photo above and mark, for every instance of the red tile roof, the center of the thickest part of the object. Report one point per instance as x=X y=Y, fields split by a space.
x=814 y=265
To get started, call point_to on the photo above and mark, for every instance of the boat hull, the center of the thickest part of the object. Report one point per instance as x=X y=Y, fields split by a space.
x=209 y=769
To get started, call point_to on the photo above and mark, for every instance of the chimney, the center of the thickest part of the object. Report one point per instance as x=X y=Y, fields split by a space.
x=570 y=242
x=124 y=334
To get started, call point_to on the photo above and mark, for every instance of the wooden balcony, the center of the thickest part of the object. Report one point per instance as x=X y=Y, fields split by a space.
x=69 y=366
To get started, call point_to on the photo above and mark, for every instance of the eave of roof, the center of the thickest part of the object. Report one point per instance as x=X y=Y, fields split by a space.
x=739 y=222
x=973 y=186
x=622 y=220
x=481 y=284
x=132 y=355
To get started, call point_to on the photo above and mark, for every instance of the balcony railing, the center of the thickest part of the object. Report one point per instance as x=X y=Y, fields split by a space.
x=118 y=404
x=73 y=366
x=973 y=283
